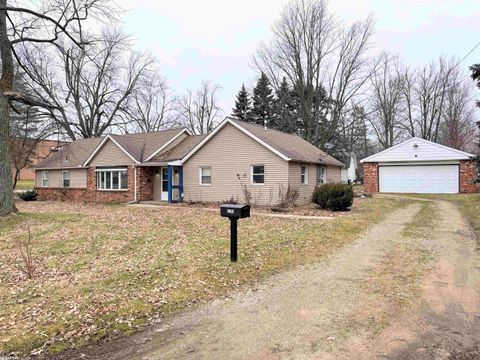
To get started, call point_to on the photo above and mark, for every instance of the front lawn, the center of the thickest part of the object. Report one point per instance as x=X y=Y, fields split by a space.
x=102 y=270
x=25 y=185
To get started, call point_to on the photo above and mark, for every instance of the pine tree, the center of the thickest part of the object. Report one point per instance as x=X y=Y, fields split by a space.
x=284 y=109
x=242 y=107
x=263 y=102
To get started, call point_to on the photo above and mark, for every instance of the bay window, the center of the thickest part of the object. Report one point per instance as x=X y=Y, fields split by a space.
x=112 y=179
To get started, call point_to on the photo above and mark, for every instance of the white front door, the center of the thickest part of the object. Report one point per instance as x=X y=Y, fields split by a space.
x=164 y=175
x=434 y=179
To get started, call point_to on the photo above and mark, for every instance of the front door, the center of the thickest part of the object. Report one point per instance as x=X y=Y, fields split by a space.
x=164 y=175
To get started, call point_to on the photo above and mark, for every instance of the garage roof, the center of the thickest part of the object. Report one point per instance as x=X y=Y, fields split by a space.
x=416 y=149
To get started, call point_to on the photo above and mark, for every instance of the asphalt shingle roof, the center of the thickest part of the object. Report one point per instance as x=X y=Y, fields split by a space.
x=70 y=155
x=290 y=145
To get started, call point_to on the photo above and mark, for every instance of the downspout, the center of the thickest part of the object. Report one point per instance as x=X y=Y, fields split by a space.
x=134 y=186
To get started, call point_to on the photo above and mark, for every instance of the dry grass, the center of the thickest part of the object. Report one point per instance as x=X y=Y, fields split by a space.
x=105 y=270
x=25 y=185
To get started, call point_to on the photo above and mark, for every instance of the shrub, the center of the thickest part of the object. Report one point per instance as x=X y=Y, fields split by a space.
x=335 y=197
x=29 y=195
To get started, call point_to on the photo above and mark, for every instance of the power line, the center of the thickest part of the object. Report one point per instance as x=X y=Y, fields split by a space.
x=468 y=54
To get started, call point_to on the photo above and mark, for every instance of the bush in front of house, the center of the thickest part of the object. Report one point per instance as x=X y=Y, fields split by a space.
x=29 y=195
x=335 y=197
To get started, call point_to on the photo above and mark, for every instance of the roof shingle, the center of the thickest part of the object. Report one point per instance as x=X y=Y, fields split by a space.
x=290 y=145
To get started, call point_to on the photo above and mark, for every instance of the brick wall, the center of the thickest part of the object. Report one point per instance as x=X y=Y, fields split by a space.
x=145 y=183
x=468 y=175
x=91 y=194
x=370 y=177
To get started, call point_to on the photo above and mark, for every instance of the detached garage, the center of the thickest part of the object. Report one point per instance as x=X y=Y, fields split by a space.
x=420 y=166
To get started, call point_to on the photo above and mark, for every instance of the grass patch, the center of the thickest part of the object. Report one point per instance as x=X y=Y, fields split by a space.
x=422 y=222
x=25 y=185
x=107 y=270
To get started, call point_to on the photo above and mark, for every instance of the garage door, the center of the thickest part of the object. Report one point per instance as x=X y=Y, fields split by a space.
x=436 y=179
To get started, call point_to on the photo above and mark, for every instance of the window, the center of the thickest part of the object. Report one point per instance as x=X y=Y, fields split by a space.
x=205 y=176
x=258 y=174
x=66 y=178
x=44 y=178
x=304 y=174
x=321 y=175
x=112 y=179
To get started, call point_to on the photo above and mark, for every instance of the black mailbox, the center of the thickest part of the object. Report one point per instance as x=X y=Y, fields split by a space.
x=235 y=211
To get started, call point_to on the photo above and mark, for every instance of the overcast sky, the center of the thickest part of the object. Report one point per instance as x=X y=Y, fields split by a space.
x=215 y=39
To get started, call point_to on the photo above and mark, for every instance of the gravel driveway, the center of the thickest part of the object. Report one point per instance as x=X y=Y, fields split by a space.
x=390 y=294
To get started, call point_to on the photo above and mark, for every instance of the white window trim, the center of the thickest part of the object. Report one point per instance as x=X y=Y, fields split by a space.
x=200 y=175
x=97 y=171
x=63 y=179
x=324 y=175
x=44 y=178
x=251 y=174
x=305 y=176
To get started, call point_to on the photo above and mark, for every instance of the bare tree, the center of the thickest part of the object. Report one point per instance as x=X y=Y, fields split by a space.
x=44 y=22
x=315 y=52
x=90 y=86
x=458 y=127
x=151 y=107
x=424 y=92
x=198 y=110
x=386 y=100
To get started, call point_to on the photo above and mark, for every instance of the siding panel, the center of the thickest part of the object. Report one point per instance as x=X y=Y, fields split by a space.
x=78 y=178
x=110 y=155
x=229 y=153
x=294 y=176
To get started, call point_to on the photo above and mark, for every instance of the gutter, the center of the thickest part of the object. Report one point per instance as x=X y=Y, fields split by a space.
x=134 y=187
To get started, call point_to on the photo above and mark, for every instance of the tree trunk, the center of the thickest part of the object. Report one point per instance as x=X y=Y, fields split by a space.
x=7 y=203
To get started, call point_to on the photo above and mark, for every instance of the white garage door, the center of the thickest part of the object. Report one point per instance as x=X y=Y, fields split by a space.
x=436 y=179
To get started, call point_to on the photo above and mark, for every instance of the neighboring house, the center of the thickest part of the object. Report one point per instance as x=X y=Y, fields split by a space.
x=43 y=149
x=420 y=166
x=237 y=158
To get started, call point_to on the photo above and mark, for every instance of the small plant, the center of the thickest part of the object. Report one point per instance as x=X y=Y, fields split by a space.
x=335 y=197
x=247 y=194
x=287 y=196
x=24 y=250
x=232 y=200
x=28 y=195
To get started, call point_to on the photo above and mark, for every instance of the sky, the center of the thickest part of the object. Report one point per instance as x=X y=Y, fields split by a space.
x=215 y=39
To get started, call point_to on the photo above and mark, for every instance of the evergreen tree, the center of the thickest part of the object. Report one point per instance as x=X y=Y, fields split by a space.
x=242 y=107
x=284 y=109
x=263 y=102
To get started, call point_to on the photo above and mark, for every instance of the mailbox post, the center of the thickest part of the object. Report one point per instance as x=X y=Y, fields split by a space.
x=234 y=212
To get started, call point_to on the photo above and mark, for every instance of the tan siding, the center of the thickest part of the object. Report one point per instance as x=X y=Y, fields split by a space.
x=110 y=155
x=174 y=143
x=228 y=153
x=334 y=174
x=78 y=178
x=304 y=190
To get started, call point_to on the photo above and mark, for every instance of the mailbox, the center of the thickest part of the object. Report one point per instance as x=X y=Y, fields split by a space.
x=235 y=211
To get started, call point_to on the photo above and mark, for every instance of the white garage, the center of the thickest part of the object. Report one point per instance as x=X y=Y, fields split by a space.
x=418 y=166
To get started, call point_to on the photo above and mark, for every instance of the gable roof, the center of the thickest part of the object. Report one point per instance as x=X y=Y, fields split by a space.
x=180 y=150
x=417 y=149
x=71 y=155
x=289 y=147
x=142 y=146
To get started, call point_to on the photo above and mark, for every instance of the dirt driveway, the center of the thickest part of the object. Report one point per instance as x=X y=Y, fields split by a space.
x=409 y=288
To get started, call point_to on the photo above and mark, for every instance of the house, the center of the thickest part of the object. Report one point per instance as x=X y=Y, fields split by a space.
x=420 y=166
x=236 y=160
x=41 y=151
